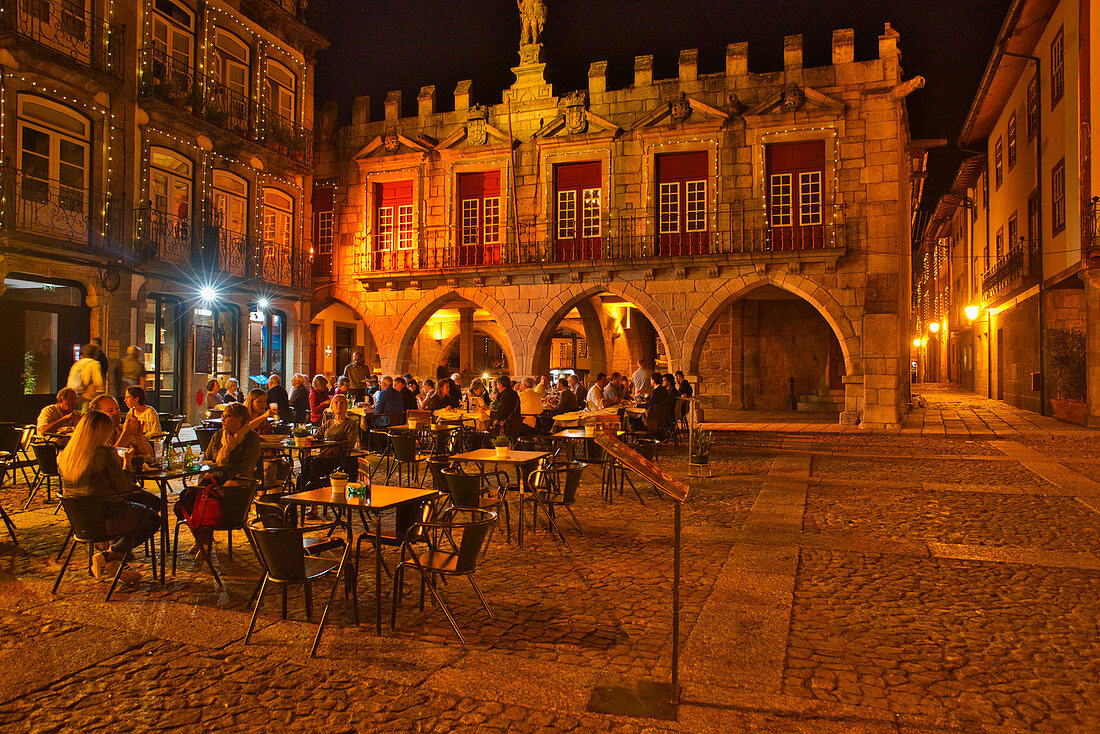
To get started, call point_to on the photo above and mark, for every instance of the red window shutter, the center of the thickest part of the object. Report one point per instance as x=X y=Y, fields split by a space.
x=682 y=166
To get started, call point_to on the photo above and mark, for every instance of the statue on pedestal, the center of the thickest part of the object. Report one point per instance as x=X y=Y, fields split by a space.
x=532 y=15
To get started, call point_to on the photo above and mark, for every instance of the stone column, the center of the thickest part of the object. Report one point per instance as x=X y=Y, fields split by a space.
x=737 y=356
x=465 y=337
x=880 y=370
x=1092 y=345
x=750 y=352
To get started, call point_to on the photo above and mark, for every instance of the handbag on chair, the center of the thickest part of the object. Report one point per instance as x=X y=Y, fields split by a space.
x=207 y=510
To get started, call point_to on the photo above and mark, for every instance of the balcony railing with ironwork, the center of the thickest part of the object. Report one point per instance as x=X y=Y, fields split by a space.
x=736 y=231
x=311 y=13
x=69 y=30
x=163 y=236
x=60 y=214
x=174 y=82
x=1019 y=265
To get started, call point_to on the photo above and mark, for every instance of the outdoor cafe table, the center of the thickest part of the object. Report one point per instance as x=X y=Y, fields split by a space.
x=576 y=434
x=288 y=446
x=381 y=497
x=516 y=458
x=161 y=477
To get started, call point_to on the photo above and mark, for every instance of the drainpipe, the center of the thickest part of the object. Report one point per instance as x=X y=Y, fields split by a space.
x=1039 y=235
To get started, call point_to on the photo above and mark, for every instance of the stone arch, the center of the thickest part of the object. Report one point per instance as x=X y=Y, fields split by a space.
x=488 y=328
x=569 y=297
x=396 y=352
x=816 y=295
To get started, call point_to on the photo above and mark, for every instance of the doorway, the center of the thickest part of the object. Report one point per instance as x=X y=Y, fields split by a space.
x=1000 y=364
x=163 y=347
x=343 y=342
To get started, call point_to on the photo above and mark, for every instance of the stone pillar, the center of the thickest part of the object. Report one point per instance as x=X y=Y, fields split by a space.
x=465 y=337
x=853 y=400
x=425 y=101
x=750 y=352
x=393 y=106
x=1092 y=345
x=689 y=65
x=360 y=111
x=844 y=46
x=880 y=370
x=597 y=78
x=643 y=70
x=737 y=59
x=737 y=356
x=462 y=95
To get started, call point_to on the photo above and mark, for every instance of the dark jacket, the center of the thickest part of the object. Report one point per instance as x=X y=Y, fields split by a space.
x=244 y=460
x=299 y=401
x=410 y=399
x=104 y=477
x=389 y=402
x=505 y=412
x=436 y=402
x=659 y=409
x=567 y=402
x=279 y=396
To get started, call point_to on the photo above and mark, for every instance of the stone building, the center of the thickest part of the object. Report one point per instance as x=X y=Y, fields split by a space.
x=1013 y=237
x=751 y=229
x=155 y=152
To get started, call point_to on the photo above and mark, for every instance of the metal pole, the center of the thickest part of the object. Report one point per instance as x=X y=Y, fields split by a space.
x=676 y=605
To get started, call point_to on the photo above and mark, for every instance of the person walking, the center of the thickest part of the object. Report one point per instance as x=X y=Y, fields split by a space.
x=129 y=371
x=85 y=376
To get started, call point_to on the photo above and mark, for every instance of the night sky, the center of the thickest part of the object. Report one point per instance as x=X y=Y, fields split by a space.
x=381 y=45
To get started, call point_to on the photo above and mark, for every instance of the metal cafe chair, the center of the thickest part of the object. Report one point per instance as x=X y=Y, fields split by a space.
x=236 y=501
x=473 y=490
x=45 y=453
x=282 y=554
x=556 y=486
x=88 y=523
x=445 y=556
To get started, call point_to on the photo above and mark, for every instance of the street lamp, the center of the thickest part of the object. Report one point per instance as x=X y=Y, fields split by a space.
x=934 y=327
x=208 y=293
x=972 y=312
x=916 y=342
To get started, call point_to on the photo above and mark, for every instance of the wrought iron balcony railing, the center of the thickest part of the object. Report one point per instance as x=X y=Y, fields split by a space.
x=737 y=231
x=163 y=236
x=67 y=29
x=311 y=13
x=1021 y=263
x=167 y=79
x=61 y=214
x=284 y=136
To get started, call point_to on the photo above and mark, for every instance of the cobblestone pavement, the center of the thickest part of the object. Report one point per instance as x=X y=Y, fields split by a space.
x=816 y=596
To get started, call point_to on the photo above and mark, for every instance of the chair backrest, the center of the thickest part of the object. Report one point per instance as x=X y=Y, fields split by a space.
x=422 y=417
x=404 y=445
x=203 y=435
x=280 y=550
x=171 y=427
x=45 y=453
x=436 y=464
x=475 y=531
x=568 y=479
x=274 y=515
x=86 y=517
x=27 y=436
x=236 y=502
x=465 y=489
x=9 y=438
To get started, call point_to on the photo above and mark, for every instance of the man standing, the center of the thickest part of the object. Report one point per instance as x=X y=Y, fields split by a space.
x=84 y=376
x=640 y=378
x=61 y=414
x=595 y=399
x=357 y=372
x=466 y=376
x=129 y=370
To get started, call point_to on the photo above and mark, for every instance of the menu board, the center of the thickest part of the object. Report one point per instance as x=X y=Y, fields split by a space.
x=204 y=349
x=635 y=462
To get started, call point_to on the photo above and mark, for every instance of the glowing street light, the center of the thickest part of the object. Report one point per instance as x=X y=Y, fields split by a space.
x=972 y=312
x=916 y=342
x=934 y=327
x=208 y=293
x=262 y=304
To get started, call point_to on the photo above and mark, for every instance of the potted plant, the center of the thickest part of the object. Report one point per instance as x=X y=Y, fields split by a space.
x=1066 y=361
x=301 y=436
x=700 y=446
x=501 y=444
x=338 y=480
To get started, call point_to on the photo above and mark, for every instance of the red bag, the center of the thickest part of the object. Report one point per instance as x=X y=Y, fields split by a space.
x=207 y=510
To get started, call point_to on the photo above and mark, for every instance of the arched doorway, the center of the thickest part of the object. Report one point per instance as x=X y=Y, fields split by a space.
x=336 y=331
x=457 y=335
x=770 y=349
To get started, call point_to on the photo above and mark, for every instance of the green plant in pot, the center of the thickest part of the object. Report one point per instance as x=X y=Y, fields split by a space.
x=301 y=436
x=700 y=446
x=502 y=444
x=1066 y=362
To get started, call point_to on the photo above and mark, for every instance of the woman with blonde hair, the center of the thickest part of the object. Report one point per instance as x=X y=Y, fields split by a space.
x=90 y=466
x=259 y=411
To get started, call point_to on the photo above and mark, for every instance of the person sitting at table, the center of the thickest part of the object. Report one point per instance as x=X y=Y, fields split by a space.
x=234 y=450
x=213 y=395
x=683 y=390
x=128 y=434
x=232 y=392
x=613 y=391
x=580 y=392
x=343 y=386
x=441 y=397
x=543 y=388
x=595 y=399
x=61 y=414
x=412 y=385
x=567 y=401
x=426 y=394
x=389 y=407
x=299 y=398
x=318 y=399
x=259 y=411
x=277 y=394
x=530 y=406
x=659 y=407
x=339 y=427
x=135 y=401
x=91 y=467
x=373 y=388
x=504 y=415
x=478 y=396
x=408 y=400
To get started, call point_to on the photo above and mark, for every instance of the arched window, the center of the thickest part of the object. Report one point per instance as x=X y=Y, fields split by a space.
x=170 y=181
x=230 y=203
x=231 y=56
x=279 y=90
x=278 y=218
x=54 y=142
x=174 y=34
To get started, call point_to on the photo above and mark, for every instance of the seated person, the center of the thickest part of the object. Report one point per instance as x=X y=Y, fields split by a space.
x=318 y=399
x=150 y=421
x=478 y=396
x=567 y=400
x=504 y=416
x=453 y=399
x=613 y=391
x=213 y=395
x=530 y=405
x=128 y=435
x=426 y=394
x=91 y=467
x=340 y=427
x=232 y=392
x=595 y=399
x=659 y=407
x=389 y=406
x=408 y=398
x=259 y=411
x=62 y=414
x=277 y=394
x=440 y=397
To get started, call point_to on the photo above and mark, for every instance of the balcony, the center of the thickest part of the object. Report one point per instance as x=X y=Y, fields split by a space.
x=50 y=213
x=310 y=13
x=81 y=36
x=164 y=237
x=280 y=265
x=175 y=83
x=1019 y=266
x=741 y=235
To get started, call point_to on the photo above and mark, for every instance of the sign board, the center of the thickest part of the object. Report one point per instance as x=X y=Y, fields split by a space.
x=643 y=467
x=204 y=349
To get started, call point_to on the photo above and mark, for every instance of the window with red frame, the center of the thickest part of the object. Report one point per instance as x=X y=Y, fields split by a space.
x=796 y=195
x=682 y=204
x=578 y=212
x=479 y=218
x=392 y=245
